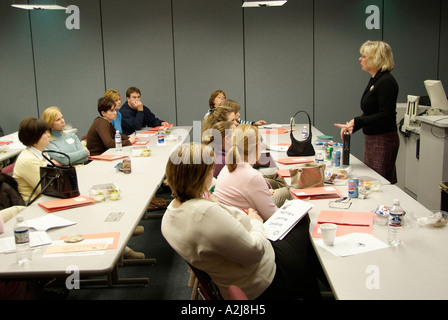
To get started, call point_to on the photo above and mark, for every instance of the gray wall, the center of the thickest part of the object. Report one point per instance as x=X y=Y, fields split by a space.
x=273 y=61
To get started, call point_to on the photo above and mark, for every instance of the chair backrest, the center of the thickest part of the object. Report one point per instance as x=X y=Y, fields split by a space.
x=206 y=287
x=235 y=293
x=9 y=169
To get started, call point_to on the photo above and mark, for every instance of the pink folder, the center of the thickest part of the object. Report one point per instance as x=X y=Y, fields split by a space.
x=347 y=221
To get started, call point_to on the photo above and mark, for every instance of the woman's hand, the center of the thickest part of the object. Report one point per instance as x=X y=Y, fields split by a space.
x=347 y=127
x=133 y=138
x=253 y=214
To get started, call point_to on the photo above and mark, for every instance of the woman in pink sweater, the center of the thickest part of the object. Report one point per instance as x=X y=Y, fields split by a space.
x=239 y=184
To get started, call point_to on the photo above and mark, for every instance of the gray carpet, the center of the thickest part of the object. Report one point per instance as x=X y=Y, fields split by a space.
x=168 y=278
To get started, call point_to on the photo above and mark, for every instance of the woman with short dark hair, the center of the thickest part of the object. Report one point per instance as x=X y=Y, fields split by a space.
x=101 y=135
x=33 y=133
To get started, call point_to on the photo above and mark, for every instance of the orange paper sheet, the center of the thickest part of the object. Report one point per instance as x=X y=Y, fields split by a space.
x=167 y=127
x=63 y=204
x=326 y=192
x=284 y=173
x=92 y=246
x=294 y=160
x=277 y=131
x=140 y=143
x=347 y=221
x=107 y=157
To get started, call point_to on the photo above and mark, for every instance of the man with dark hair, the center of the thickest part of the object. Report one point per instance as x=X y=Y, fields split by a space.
x=135 y=115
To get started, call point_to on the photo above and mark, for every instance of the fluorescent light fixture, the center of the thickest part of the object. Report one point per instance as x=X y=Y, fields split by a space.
x=252 y=4
x=38 y=6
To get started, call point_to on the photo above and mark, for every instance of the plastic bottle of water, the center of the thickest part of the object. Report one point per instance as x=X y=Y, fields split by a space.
x=396 y=219
x=118 y=140
x=305 y=132
x=22 y=239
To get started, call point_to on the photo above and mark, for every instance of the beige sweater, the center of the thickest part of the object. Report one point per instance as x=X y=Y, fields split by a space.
x=222 y=241
x=27 y=171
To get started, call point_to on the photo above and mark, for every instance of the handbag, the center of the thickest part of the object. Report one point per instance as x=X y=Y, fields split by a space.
x=57 y=181
x=300 y=147
x=308 y=175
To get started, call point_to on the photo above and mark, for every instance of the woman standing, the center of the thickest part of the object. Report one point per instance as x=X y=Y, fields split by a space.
x=378 y=104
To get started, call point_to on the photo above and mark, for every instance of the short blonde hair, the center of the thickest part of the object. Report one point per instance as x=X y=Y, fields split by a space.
x=49 y=115
x=112 y=94
x=187 y=169
x=380 y=54
x=244 y=148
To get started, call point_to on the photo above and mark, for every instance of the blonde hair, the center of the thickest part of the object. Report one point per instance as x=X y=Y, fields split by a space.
x=112 y=94
x=220 y=113
x=49 y=115
x=219 y=131
x=380 y=54
x=244 y=147
x=187 y=169
x=232 y=104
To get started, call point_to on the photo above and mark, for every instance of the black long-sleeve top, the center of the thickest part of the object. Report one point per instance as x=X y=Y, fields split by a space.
x=378 y=103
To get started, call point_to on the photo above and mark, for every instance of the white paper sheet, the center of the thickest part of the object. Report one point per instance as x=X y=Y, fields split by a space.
x=353 y=243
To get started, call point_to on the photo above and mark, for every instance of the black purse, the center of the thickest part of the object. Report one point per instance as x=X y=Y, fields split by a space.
x=56 y=181
x=300 y=147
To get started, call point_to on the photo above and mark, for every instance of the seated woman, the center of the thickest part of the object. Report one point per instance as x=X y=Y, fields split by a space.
x=215 y=99
x=101 y=135
x=228 y=244
x=219 y=141
x=217 y=114
x=33 y=133
x=115 y=95
x=239 y=184
x=63 y=141
x=236 y=106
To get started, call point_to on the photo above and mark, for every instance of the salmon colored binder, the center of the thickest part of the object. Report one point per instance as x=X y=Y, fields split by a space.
x=107 y=157
x=325 y=192
x=347 y=221
x=294 y=160
x=284 y=173
x=63 y=204
x=167 y=127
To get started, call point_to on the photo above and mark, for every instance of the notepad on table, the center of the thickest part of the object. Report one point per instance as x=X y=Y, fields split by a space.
x=107 y=157
x=158 y=128
x=63 y=204
x=294 y=160
x=347 y=221
x=325 y=192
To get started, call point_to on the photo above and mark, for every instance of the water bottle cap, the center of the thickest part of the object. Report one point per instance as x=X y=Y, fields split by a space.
x=19 y=218
x=396 y=201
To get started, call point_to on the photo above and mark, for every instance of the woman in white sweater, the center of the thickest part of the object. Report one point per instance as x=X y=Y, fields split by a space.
x=225 y=242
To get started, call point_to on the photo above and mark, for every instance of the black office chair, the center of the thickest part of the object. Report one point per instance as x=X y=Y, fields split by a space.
x=204 y=288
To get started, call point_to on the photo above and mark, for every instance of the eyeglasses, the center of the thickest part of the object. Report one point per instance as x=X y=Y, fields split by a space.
x=343 y=203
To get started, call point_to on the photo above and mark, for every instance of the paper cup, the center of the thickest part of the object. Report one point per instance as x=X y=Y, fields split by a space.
x=328 y=231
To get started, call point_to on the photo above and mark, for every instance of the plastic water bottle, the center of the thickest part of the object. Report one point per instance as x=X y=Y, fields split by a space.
x=22 y=239
x=118 y=140
x=305 y=132
x=396 y=219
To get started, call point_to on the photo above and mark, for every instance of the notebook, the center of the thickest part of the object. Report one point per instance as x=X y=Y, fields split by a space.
x=63 y=204
x=294 y=160
x=325 y=192
x=107 y=157
x=347 y=221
